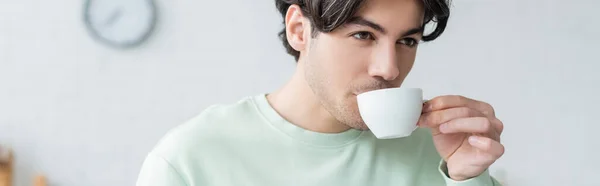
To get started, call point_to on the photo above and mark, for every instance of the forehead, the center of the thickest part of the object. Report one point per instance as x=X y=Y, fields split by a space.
x=393 y=14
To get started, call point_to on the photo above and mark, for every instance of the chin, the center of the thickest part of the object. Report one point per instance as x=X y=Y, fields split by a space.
x=357 y=123
x=362 y=127
x=351 y=116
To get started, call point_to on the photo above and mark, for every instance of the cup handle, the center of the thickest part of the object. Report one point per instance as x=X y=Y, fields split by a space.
x=416 y=127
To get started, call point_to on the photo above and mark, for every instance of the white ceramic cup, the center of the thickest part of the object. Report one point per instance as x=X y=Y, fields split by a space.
x=391 y=113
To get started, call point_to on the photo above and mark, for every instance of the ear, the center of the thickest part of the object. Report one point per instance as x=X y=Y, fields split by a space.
x=296 y=28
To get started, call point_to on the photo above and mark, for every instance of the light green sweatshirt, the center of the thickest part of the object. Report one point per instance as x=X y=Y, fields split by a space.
x=248 y=143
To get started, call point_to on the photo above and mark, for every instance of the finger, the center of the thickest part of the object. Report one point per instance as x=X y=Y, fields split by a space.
x=498 y=125
x=452 y=101
x=467 y=125
x=436 y=118
x=477 y=125
x=487 y=145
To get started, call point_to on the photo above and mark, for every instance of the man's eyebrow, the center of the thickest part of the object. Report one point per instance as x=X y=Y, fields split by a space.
x=413 y=31
x=364 y=22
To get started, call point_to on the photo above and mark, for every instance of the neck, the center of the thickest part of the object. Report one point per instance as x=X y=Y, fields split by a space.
x=297 y=103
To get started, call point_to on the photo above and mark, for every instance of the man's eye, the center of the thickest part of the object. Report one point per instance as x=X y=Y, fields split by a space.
x=410 y=42
x=363 y=35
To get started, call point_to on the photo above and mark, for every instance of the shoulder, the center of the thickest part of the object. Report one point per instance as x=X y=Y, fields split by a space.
x=184 y=153
x=206 y=131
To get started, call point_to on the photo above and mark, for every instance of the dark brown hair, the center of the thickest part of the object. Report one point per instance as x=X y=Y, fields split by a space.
x=327 y=15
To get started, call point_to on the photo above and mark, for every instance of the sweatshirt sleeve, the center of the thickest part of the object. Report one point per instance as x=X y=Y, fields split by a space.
x=156 y=171
x=484 y=179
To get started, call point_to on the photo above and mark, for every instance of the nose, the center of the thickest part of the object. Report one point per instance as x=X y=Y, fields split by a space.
x=384 y=64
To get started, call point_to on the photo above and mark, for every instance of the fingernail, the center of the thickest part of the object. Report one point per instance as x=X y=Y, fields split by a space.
x=444 y=128
x=474 y=140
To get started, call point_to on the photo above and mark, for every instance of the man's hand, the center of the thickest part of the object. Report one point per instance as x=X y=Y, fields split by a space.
x=466 y=133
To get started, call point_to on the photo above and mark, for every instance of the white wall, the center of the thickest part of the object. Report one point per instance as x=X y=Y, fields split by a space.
x=86 y=115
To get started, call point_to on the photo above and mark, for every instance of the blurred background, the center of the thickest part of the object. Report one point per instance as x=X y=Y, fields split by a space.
x=83 y=112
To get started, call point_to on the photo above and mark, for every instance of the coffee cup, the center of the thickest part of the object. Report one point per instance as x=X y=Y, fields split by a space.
x=392 y=112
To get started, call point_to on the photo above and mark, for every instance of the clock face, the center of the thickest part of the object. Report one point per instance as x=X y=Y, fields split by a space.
x=120 y=23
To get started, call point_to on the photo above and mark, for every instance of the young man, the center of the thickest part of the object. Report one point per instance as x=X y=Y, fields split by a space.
x=309 y=132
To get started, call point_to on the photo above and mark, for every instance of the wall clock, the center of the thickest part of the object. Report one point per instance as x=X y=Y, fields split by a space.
x=120 y=23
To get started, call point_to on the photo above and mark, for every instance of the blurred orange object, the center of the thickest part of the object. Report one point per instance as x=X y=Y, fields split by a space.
x=6 y=166
x=40 y=181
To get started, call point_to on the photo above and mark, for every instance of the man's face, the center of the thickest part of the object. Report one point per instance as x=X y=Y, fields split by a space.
x=374 y=50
